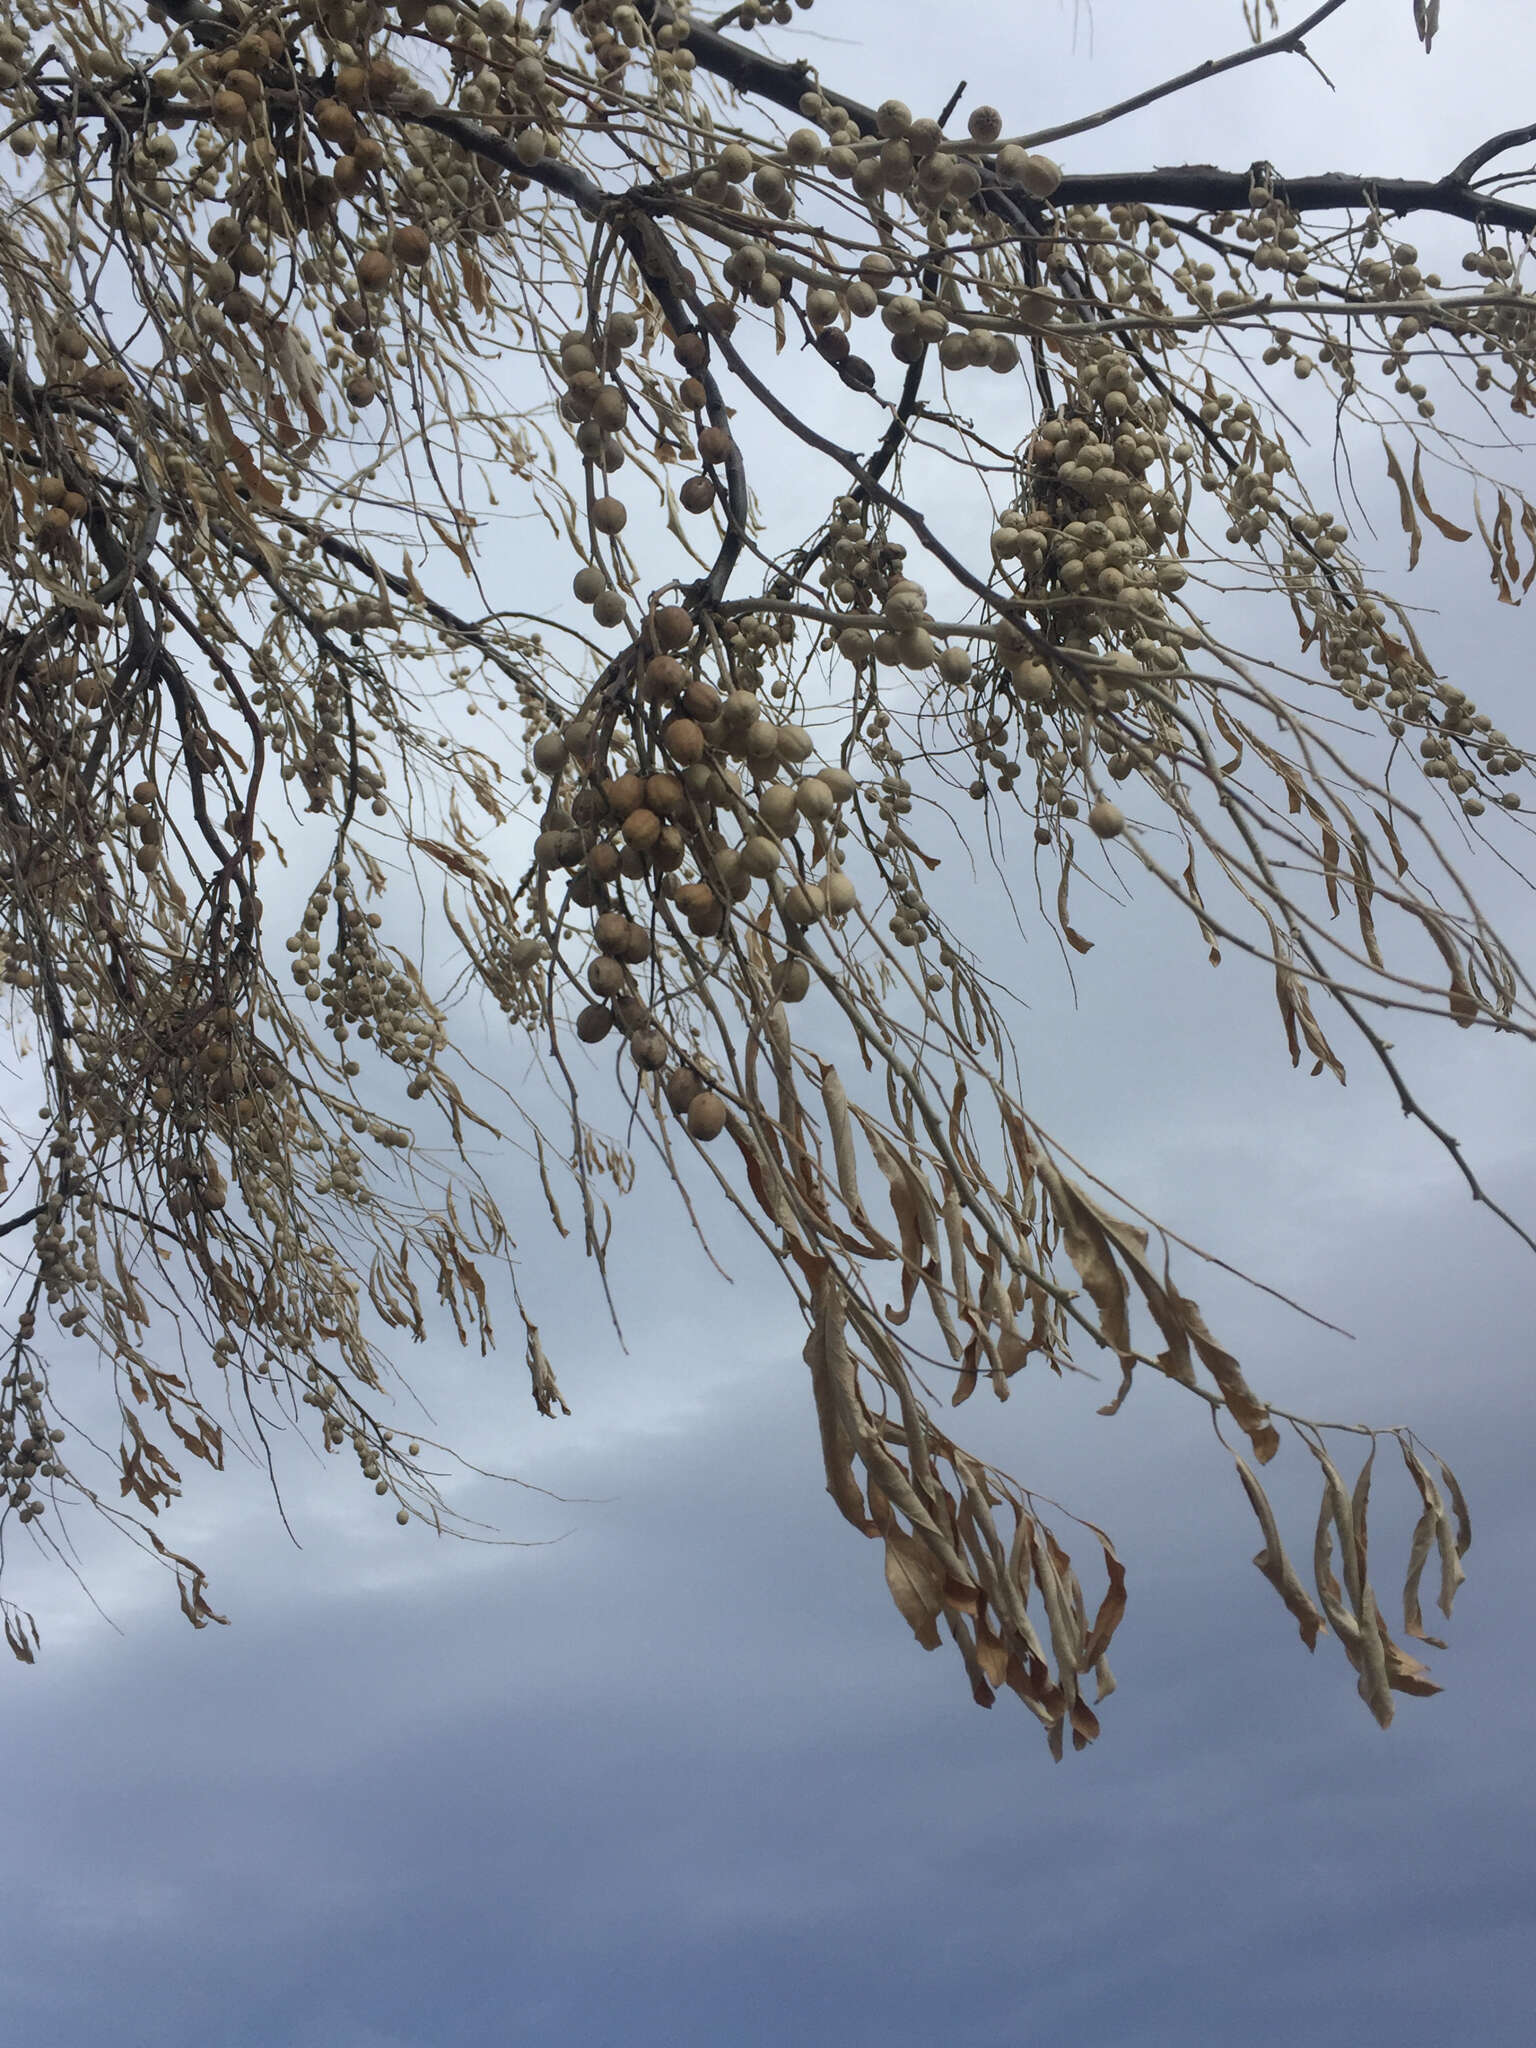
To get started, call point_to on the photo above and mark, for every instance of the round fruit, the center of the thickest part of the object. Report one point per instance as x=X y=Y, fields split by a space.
x=664 y=795
x=842 y=896
x=648 y=1050
x=412 y=245
x=759 y=856
x=683 y=741
x=610 y=934
x=682 y=1085
x=792 y=981
x=625 y=793
x=706 y=1116
x=672 y=626
x=665 y=676
x=642 y=829
x=550 y=753
x=594 y=1023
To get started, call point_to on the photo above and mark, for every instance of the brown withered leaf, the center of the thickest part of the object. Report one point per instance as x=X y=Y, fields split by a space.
x=21 y=1635
x=826 y=1353
x=916 y=1583
x=1421 y=499
x=1276 y=1566
x=1411 y=525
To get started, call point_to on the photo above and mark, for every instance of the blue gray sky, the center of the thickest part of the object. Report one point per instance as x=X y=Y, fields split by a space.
x=675 y=1771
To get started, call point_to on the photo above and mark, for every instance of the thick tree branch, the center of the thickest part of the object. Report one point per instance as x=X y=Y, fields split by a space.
x=1203 y=187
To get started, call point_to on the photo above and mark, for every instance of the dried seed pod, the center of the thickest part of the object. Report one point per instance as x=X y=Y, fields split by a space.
x=706 y=1116
x=374 y=270
x=642 y=829
x=594 y=1023
x=666 y=677
x=603 y=862
x=648 y=1050
x=671 y=627
x=694 y=896
x=665 y=795
x=411 y=244
x=815 y=799
x=759 y=746
x=384 y=80
x=681 y=1087
x=1040 y=176
x=778 y=809
x=611 y=932
x=550 y=753
x=791 y=981
x=683 y=741
x=623 y=794
x=557 y=849
x=335 y=122
x=759 y=856
x=1106 y=819
x=700 y=700
x=842 y=896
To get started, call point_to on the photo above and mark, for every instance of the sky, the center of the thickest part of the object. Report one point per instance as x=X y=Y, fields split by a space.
x=666 y=1766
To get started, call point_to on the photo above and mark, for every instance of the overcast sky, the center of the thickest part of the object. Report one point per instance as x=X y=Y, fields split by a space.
x=682 y=1774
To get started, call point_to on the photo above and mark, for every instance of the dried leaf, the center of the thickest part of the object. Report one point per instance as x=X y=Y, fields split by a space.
x=1276 y=1566
x=916 y=1583
x=1411 y=525
x=1446 y=526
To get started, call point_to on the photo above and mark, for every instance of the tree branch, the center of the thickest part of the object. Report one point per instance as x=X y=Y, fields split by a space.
x=1200 y=186
x=1206 y=189
x=1288 y=44
x=1470 y=165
